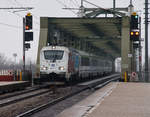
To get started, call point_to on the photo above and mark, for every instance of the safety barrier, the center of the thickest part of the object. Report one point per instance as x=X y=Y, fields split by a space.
x=6 y=75
x=10 y=75
x=18 y=75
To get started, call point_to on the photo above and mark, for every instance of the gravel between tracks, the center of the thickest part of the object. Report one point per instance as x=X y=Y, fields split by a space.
x=56 y=109
x=22 y=106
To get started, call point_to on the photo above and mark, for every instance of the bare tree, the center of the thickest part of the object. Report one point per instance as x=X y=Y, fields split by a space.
x=3 y=62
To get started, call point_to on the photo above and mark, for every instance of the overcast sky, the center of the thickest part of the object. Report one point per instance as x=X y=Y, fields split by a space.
x=11 y=22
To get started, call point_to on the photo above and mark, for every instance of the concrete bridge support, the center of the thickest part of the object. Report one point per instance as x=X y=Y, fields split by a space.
x=126 y=47
x=43 y=39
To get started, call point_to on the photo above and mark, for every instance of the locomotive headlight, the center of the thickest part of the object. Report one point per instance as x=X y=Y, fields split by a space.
x=61 y=68
x=54 y=47
x=43 y=68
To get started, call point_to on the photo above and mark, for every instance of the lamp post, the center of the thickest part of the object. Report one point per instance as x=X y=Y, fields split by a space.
x=15 y=55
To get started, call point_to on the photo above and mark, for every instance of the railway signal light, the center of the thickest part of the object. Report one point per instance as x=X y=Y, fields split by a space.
x=131 y=33
x=28 y=21
x=134 y=20
x=134 y=35
x=27 y=27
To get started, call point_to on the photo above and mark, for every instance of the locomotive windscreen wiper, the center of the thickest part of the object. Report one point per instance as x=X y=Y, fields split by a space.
x=54 y=60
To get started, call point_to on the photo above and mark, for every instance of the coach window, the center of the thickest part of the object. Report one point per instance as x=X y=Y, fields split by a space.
x=84 y=61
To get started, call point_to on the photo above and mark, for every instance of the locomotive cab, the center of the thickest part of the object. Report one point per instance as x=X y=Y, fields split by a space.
x=53 y=63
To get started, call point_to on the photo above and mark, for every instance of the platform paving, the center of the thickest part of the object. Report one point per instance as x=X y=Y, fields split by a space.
x=114 y=100
x=12 y=85
x=4 y=83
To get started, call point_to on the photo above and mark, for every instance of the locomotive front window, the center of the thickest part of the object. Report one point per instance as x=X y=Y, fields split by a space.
x=53 y=54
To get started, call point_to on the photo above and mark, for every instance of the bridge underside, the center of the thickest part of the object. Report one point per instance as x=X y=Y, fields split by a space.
x=100 y=36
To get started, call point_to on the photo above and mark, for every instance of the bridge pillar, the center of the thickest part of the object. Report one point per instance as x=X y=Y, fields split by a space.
x=126 y=47
x=43 y=38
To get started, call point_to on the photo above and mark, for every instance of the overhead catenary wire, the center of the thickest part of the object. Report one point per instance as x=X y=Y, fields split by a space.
x=65 y=6
x=9 y=25
x=93 y=4
x=22 y=17
x=69 y=3
x=14 y=12
x=77 y=3
x=74 y=3
x=14 y=26
x=21 y=6
x=9 y=11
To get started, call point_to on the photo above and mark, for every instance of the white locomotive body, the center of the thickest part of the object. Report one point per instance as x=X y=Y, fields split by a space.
x=61 y=63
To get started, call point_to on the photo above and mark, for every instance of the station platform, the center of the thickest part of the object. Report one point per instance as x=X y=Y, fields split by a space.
x=6 y=86
x=117 y=99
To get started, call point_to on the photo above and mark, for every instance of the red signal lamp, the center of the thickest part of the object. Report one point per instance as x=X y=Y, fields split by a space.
x=27 y=27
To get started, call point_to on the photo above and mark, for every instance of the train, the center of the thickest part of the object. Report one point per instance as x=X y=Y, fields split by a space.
x=60 y=63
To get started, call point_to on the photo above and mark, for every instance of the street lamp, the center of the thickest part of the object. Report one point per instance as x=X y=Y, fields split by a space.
x=15 y=55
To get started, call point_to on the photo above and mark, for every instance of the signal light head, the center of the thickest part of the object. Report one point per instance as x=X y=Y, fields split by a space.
x=134 y=23
x=28 y=21
x=28 y=14
x=136 y=33
x=134 y=13
x=27 y=27
x=136 y=16
x=132 y=33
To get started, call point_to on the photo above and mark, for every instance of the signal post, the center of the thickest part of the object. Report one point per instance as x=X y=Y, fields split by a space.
x=27 y=35
x=135 y=39
x=129 y=44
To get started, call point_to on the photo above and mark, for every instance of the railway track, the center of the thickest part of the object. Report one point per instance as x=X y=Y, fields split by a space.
x=17 y=93
x=23 y=95
x=94 y=85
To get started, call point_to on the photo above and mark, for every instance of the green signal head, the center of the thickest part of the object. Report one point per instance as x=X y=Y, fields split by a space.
x=136 y=16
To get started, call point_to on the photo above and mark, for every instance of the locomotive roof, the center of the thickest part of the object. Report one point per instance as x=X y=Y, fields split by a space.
x=54 y=47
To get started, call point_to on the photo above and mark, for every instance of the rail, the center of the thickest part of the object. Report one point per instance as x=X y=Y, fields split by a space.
x=95 y=85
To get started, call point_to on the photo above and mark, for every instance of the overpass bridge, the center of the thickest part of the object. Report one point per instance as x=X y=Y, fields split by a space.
x=106 y=36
